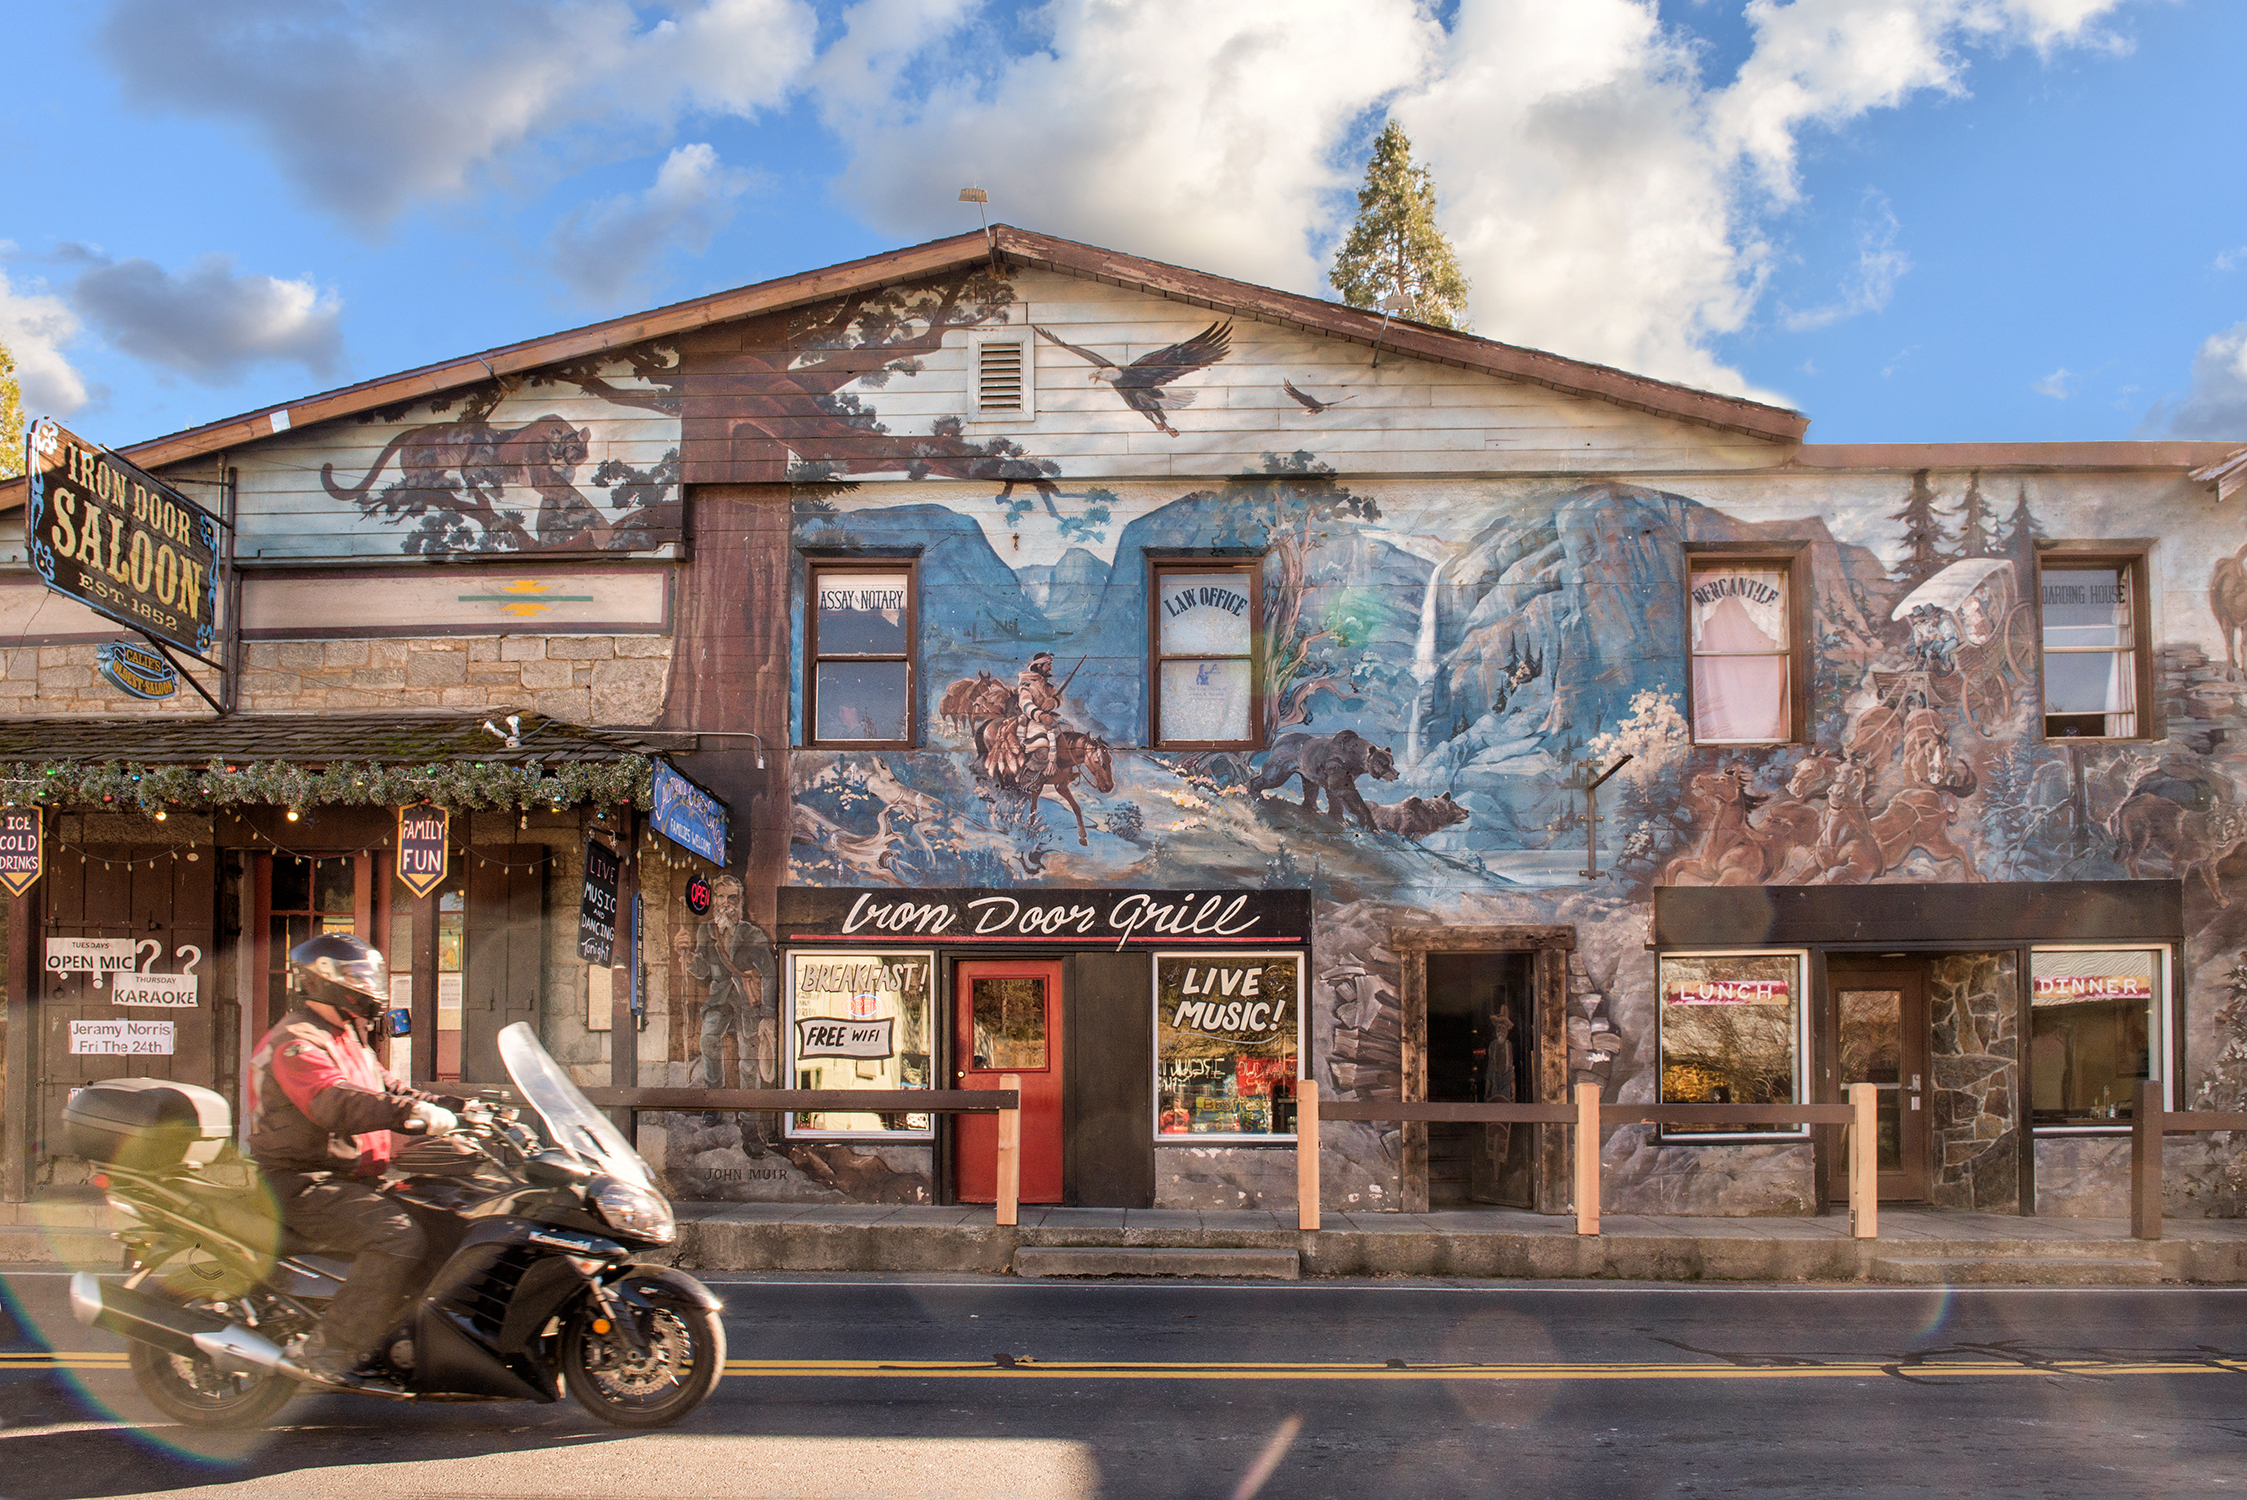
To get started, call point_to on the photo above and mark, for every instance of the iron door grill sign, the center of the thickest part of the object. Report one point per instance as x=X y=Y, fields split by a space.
x=596 y=908
x=687 y=815
x=120 y=541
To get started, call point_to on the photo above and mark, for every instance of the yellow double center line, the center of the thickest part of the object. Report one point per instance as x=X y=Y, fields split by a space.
x=1100 y=1370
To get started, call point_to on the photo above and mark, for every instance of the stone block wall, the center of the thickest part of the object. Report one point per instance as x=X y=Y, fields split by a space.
x=595 y=679
x=1974 y=1004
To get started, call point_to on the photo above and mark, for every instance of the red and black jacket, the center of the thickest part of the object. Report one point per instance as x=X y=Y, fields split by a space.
x=321 y=1101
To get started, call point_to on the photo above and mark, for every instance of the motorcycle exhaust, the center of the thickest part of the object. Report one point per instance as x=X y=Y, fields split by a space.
x=174 y=1329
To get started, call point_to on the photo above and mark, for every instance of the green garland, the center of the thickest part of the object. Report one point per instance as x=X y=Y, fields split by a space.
x=274 y=783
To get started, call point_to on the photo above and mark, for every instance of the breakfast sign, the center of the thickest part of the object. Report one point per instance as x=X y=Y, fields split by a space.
x=120 y=541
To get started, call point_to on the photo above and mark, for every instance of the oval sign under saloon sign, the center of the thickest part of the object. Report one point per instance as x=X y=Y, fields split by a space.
x=137 y=670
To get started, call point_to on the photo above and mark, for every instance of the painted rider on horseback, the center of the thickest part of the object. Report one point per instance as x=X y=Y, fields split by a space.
x=1038 y=717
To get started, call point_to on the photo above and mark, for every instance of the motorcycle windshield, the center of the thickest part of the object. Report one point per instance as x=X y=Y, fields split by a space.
x=571 y=1124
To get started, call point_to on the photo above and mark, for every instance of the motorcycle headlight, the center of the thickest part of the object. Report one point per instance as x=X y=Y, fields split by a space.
x=634 y=1211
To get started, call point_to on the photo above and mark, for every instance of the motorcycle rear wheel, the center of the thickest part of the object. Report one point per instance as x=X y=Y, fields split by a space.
x=687 y=1354
x=190 y=1389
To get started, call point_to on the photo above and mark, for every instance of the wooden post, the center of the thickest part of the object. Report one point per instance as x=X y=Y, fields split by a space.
x=1010 y=1157
x=1587 y=1158
x=2145 y=1163
x=1307 y=1154
x=1864 y=1163
x=19 y=1100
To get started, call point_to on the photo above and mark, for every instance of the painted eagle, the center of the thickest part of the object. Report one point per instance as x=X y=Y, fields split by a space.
x=1144 y=383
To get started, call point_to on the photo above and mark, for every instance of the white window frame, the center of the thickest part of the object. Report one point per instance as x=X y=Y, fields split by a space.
x=1017 y=333
x=787 y=1042
x=1302 y=959
x=1675 y=1135
x=2164 y=968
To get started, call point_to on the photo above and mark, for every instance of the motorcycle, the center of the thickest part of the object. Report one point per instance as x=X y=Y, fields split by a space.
x=534 y=1218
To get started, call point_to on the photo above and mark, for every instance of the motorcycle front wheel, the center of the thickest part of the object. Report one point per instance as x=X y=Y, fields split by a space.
x=686 y=1355
x=190 y=1389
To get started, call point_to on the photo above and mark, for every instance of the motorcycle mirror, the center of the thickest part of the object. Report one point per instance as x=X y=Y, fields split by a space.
x=553 y=1169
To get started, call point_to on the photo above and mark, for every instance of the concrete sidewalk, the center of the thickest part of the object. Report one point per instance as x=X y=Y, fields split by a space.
x=1917 y=1246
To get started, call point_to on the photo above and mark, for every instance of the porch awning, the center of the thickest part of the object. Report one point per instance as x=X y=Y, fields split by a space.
x=324 y=739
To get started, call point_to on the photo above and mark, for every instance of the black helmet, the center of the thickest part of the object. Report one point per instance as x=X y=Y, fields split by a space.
x=346 y=972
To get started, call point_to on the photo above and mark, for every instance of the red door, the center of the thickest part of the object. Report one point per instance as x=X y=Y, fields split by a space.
x=1007 y=1019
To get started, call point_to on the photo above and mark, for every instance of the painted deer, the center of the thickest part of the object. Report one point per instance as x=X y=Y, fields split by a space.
x=2190 y=840
x=2227 y=600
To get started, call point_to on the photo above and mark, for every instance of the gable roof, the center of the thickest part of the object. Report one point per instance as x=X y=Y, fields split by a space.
x=1019 y=246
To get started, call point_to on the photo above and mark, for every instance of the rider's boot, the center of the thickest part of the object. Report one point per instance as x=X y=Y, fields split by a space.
x=1035 y=761
x=362 y=1312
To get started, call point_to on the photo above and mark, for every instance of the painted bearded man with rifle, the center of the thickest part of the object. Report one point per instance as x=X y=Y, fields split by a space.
x=733 y=956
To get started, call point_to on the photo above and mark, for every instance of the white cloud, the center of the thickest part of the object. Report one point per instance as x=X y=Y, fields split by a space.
x=607 y=250
x=2216 y=407
x=1200 y=133
x=2231 y=260
x=36 y=325
x=210 y=323
x=368 y=108
x=1871 y=282
x=2056 y=385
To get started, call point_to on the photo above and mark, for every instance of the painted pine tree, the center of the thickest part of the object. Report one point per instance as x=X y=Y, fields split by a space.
x=2021 y=533
x=1977 y=531
x=1924 y=535
x=1395 y=245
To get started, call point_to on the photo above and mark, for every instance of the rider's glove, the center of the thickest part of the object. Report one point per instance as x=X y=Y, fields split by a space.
x=431 y=1120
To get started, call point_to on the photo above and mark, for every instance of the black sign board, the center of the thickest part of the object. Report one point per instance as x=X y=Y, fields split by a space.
x=21 y=849
x=120 y=541
x=596 y=911
x=1050 y=917
x=698 y=895
x=421 y=848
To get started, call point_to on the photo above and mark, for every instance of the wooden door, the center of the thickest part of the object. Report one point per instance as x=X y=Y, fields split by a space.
x=164 y=902
x=1881 y=1013
x=1007 y=1019
x=506 y=957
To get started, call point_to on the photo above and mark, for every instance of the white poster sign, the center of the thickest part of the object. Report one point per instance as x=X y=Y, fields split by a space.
x=92 y=956
x=177 y=990
x=121 y=1037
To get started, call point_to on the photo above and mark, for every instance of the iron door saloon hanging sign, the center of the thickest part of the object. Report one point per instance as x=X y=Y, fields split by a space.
x=121 y=542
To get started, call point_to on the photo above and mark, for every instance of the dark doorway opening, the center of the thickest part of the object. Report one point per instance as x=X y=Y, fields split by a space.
x=1481 y=1030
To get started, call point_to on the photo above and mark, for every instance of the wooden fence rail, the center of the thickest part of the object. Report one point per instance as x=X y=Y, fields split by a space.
x=1005 y=1102
x=1587 y=1117
x=2149 y=1122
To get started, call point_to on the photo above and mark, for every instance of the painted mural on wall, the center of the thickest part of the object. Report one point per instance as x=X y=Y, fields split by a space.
x=577 y=457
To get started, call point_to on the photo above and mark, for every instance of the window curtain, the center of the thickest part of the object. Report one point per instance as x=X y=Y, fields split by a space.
x=1740 y=697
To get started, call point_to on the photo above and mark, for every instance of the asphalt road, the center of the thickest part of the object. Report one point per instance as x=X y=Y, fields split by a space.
x=985 y=1387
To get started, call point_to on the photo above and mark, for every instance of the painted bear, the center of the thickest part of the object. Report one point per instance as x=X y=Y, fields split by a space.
x=1417 y=817
x=1331 y=763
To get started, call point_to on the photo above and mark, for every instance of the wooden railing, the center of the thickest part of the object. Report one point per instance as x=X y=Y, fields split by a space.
x=2149 y=1122
x=1004 y=1101
x=1586 y=1118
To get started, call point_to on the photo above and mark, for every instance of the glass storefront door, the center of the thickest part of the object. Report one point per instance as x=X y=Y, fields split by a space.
x=1884 y=1041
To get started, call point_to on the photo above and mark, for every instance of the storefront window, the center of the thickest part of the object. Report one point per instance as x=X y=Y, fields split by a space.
x=1731 y=1029
x=860 y=1020
x=1228 y=1044
x=2094 y=1017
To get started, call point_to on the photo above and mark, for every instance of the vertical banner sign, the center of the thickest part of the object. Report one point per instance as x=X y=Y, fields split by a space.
x=596 y=910
x=421 y=848
x=22 y=850
x=120 y=541
x=687 y=815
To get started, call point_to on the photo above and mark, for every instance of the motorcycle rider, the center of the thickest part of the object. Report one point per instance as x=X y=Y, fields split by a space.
x=322 y=1107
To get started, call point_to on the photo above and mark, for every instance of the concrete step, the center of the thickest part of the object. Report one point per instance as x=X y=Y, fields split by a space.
x=2017 y=1270
x=1137 y=1260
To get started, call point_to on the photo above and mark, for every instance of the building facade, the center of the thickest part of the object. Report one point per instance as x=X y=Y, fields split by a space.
x=1166 y=690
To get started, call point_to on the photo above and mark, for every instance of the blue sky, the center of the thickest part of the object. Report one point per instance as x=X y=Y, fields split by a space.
x=1917 y=220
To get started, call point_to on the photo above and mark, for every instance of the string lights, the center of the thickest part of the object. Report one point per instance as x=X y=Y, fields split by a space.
x=461 y=785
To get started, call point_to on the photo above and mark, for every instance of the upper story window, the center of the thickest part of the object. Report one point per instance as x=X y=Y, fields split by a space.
x=2089 y=609
x=859 y=643
x=1746 y=650
x=1206 y=669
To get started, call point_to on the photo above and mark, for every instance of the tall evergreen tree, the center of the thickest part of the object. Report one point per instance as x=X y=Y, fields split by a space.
x=1395 y=245
x=11 y=417
x=2022 y=532
x=1976 y=534
x=1924 y=536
